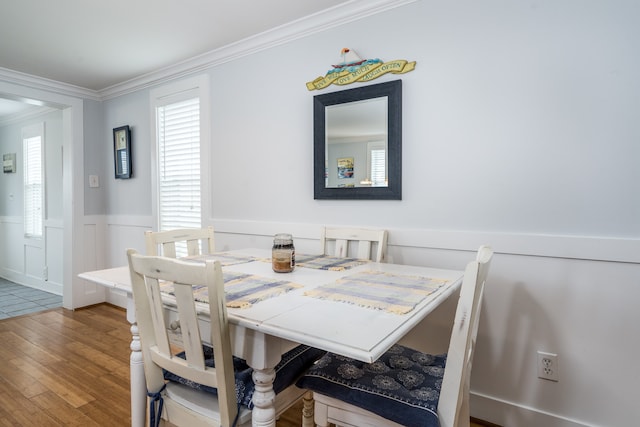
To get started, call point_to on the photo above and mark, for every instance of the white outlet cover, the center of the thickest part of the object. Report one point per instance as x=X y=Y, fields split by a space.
x=548 y=366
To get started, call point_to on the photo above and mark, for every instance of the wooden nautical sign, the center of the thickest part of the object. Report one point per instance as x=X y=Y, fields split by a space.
x=351 y=68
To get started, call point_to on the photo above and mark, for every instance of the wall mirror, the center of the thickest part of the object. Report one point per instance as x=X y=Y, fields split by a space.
x=358 y=143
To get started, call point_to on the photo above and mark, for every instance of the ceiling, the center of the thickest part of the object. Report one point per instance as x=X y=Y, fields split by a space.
x=96 y=45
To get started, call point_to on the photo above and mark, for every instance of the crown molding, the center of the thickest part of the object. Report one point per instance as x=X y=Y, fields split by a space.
x=35 y=82
x=321 y=21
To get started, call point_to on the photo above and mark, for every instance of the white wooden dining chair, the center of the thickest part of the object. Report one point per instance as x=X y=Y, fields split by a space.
x=405 y=387
x=196 y=241
x=371 y=244
x=187 y=388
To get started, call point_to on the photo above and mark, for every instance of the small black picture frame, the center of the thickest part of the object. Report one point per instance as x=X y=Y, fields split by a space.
x=122 y=152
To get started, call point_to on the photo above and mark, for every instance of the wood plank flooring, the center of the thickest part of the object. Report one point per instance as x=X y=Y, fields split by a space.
x=65 y=368
x=71 y=368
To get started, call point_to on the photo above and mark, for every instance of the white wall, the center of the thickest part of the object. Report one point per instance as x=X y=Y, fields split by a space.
x=520 y=131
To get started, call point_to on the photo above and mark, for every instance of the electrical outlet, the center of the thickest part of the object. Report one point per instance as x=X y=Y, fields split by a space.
x=548 y=366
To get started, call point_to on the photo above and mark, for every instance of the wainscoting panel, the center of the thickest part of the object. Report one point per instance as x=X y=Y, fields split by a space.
x=54 y=254
x=36 y=263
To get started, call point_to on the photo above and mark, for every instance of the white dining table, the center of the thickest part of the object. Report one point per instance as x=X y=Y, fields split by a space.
x=262 y=332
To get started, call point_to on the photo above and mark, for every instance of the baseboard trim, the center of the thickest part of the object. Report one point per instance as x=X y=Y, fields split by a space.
x=30 y=281
x=483 y=422
x=499 y=412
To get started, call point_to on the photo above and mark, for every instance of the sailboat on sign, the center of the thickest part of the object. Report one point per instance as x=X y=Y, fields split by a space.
x=351 y=61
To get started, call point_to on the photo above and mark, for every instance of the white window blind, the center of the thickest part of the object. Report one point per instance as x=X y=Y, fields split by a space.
x=179 y=196
x=33 y=186
x=378 y=168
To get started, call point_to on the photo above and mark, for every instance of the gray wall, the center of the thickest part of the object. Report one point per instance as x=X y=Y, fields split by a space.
x=523 y=113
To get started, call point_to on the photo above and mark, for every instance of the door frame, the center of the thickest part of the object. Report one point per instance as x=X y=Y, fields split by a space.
x=76 y=292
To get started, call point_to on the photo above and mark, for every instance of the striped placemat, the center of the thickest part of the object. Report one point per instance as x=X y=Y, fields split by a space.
x=241 y=290
x=383 y=291
x=326 y=262
x=225 y=258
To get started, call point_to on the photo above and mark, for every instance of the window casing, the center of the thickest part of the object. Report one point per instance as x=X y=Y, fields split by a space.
x=181 y=134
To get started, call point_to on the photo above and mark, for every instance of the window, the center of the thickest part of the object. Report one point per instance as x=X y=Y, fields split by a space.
x=180 y=182
x=32 y=144
x=179 y=165
x=377 y=164
x=378 y=169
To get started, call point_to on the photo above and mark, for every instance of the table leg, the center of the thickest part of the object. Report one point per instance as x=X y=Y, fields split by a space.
x=136 y=371
x=264 y=411
x=262 y=352
x=307 y=410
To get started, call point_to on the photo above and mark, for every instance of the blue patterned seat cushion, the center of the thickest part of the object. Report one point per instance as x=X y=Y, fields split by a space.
x=403 y=385
x=292 y=365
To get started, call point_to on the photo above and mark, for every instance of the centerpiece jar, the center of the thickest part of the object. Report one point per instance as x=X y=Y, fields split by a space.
x=283 y=254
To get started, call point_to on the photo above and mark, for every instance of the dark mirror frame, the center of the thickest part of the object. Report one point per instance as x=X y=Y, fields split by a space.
x=393 y=91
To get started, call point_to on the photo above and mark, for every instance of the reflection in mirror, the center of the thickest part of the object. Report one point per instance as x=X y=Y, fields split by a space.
x=357 y=143
x=356 y=131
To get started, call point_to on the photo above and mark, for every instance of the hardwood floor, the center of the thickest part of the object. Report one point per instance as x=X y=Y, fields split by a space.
x=64 y=368
x=71 y=368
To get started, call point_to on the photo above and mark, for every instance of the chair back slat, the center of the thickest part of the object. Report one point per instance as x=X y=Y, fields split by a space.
x=364 y=249
x=162 y=342
x=342 y=248
x=169 y=249
x=192 y=341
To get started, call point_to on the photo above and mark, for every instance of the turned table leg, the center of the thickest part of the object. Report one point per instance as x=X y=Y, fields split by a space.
x=264 y=353
x=136 y=368
x=264 y=411
x=307 y=410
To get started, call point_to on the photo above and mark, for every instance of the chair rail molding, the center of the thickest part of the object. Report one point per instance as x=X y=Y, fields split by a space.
x=595 y=248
